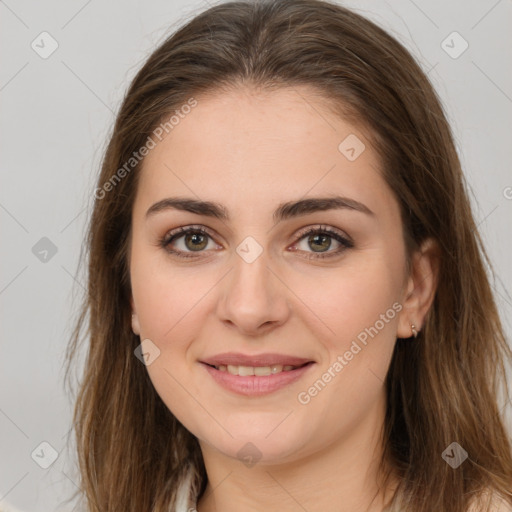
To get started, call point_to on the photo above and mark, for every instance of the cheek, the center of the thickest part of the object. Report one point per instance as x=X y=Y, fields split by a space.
x=167 y=298
x=170 y=304
x=360 y=307
x=353 y=297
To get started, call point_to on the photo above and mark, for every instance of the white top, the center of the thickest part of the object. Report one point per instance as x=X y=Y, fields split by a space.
x=184 y=500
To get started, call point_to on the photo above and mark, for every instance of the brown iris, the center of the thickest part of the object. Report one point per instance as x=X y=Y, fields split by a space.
x=197 y=241
x=323 y=242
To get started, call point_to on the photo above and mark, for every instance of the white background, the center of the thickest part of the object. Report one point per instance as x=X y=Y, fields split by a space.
x=56 y=116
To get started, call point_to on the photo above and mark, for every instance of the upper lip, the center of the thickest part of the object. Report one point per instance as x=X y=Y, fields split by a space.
x=267 y=359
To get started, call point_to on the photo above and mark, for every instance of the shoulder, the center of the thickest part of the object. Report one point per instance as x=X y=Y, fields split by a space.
x=492 y=500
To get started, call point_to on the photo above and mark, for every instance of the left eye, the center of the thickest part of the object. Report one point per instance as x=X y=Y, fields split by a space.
x=317 y=242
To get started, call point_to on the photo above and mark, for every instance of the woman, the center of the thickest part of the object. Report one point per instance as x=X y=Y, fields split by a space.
x=288 y=307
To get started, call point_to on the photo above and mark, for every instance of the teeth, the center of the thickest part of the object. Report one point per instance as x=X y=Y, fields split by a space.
x=243 y=371
x=262 y=371
x=259 y=371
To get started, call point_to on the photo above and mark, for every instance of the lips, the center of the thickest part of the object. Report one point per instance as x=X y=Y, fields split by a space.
x=256 y=375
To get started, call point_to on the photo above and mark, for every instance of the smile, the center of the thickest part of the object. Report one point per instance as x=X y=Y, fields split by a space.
x=256 y=380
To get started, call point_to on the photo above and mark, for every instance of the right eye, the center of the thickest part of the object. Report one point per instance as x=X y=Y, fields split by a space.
x=185 y=241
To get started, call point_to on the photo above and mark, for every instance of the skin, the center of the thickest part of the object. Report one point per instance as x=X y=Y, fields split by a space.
x=251 y=151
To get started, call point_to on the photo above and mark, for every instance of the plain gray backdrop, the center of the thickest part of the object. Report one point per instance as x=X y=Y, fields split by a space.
x=57 y=111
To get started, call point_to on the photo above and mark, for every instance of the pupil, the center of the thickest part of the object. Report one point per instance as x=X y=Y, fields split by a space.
x=322 y=241
x=198 y=241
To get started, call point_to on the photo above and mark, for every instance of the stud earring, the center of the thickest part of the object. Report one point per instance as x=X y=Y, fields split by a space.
x=414 y=331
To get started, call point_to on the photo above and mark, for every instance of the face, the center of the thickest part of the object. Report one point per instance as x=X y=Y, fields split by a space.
x=284 y=262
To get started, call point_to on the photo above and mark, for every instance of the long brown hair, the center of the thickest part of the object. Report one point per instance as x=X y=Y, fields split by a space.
x=441 y=388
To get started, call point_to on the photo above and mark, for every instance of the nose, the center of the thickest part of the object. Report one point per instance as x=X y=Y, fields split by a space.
x=253 y=299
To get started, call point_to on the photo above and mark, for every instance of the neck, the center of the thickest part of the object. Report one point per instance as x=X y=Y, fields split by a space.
x=341 y=477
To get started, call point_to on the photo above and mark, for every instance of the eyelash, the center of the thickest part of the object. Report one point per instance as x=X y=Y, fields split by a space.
x=177 y=233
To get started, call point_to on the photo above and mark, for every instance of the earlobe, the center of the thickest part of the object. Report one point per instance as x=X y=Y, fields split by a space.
x=420 y=290
x=135 y=320
x=135 y=324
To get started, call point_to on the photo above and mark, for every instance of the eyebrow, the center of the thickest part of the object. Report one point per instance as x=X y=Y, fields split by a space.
x=284 y=211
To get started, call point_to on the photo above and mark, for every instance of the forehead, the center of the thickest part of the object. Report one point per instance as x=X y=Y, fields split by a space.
x=254 y=147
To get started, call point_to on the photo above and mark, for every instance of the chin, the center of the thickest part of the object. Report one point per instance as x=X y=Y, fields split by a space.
x=266 y=442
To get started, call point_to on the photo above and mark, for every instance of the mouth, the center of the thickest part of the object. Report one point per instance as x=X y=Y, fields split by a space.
x=256 y=375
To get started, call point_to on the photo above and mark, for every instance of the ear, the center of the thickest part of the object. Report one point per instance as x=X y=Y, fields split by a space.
x=420 y=288
x=135 y=320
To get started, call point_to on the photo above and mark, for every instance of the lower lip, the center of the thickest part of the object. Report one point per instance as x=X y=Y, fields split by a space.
x=252 y=385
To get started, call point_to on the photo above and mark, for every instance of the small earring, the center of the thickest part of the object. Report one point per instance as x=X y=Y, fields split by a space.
x=414 y=331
